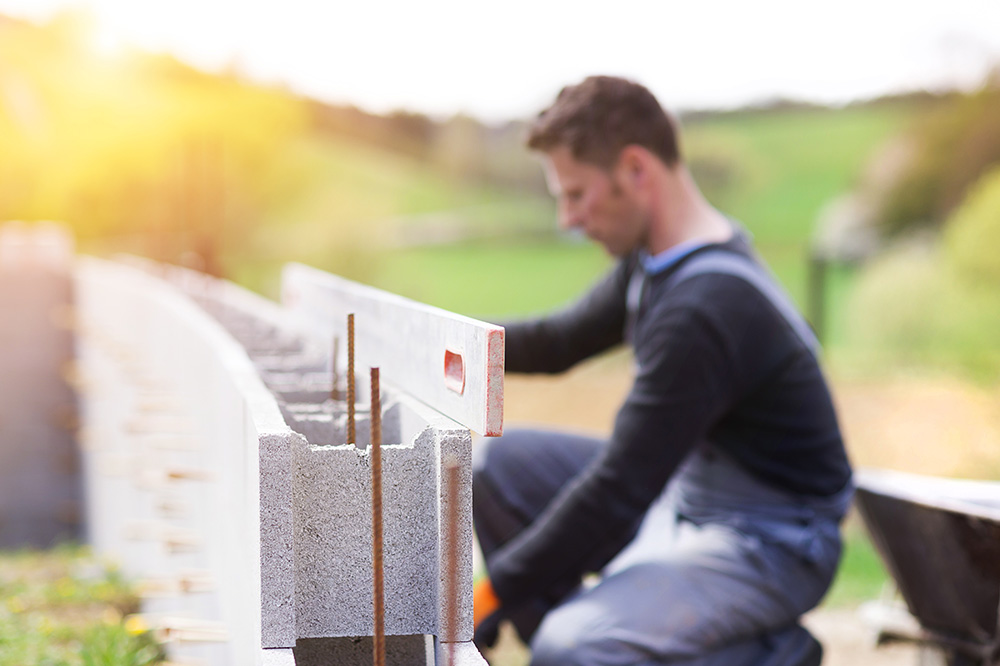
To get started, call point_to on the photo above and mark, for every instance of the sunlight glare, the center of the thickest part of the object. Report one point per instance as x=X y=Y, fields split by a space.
x=105 y=41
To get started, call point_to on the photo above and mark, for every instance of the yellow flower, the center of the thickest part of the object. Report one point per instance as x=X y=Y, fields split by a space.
x=136 y=624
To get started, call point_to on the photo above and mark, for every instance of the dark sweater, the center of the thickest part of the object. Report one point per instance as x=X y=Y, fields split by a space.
x=717 y=363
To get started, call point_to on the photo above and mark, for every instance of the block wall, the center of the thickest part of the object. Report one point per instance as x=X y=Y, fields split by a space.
x=219 y=472
x=40 y=480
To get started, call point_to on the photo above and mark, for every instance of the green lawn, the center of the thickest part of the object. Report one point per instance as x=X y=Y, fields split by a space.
x=499 y=279
x=790 y=163
x=861 y=575
x=62 y=607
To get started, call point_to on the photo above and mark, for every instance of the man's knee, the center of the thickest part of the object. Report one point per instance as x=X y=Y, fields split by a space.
x=561 y=644
x=577 y=634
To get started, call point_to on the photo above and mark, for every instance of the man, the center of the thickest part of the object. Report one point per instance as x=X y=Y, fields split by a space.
x=712 y=513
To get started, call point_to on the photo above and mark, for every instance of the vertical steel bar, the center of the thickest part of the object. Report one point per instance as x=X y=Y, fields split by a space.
x=451 y=592
x=378 y=586
x=350 y=380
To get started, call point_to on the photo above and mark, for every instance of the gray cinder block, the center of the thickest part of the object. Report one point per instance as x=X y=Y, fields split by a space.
x=276 y=657
x=333 y=539
x=357 y=651
x=464 y=653
x=277 y=554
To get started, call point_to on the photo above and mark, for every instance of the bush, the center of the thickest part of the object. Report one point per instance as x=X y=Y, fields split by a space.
x=972 y=235
x=957 y=141
x=912 y=308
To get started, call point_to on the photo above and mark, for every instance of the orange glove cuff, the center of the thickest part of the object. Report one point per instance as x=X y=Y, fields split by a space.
x=484 y=601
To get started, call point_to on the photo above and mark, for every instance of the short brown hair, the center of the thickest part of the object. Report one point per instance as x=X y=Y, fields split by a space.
x=599 y=116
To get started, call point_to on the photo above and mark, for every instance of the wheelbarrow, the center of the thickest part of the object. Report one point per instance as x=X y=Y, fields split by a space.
x=940 y=541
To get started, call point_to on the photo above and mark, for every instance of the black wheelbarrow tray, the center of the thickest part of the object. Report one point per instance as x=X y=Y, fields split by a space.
x=940 y=541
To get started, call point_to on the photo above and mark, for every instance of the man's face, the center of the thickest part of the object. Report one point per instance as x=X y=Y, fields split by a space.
x=598 y=202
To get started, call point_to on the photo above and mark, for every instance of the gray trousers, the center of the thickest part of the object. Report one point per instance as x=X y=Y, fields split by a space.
x=718 y=573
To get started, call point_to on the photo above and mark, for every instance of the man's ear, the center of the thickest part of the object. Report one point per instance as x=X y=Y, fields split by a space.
x=633 y=165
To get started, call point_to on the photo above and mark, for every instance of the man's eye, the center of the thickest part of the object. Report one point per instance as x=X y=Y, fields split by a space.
x=574 y=195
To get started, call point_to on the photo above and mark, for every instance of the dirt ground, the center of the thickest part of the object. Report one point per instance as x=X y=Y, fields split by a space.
x=925 y=425
x=920 y=424
x=848 y=641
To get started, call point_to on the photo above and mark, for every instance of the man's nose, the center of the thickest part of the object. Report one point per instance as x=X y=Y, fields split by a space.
x=568 y=218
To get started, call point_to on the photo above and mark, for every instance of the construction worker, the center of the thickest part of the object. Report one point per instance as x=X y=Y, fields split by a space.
x=711 y=515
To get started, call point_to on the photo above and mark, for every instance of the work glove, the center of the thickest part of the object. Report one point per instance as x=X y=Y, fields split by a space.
x=485 y=614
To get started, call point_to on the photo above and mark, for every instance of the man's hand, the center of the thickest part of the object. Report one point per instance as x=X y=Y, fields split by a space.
x=485 y=614
x=484 y=602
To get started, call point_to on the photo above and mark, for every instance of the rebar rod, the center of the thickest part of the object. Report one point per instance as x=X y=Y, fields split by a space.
x=351 y=439
x=377 y=566
x=451 y=592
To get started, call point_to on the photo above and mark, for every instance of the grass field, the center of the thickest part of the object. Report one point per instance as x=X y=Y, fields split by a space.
x=64 y=608
x=790 y=163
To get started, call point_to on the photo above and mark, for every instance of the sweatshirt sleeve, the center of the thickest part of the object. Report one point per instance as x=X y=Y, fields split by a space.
x=684 y=383
x=557 y=342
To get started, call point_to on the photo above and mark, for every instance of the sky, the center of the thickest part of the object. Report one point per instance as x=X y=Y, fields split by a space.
x=504 y=60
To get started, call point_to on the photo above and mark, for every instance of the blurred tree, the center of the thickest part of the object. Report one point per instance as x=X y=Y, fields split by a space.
x=956 y=143
x=401 y=131
x=715 y=167
x=140 y=152
x=460 y=148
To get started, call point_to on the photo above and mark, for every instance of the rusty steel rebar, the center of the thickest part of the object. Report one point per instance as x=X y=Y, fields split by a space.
x=378 y=643
x=335 y=379
x=451 y=591
x=351 y=439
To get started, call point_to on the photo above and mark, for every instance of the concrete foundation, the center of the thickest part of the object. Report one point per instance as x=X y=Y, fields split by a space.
x=218 y=470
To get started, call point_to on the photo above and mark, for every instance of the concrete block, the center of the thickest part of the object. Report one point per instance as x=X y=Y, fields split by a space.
x=333 y=549
x=326 y=424
x=276 y=657
x=464 y=653
x=357 y=651
x=268 y=362
x=455 y=445
x=277 y=555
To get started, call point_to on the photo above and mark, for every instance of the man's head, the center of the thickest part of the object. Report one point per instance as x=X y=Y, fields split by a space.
x=599 y=116
x=605 y=141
